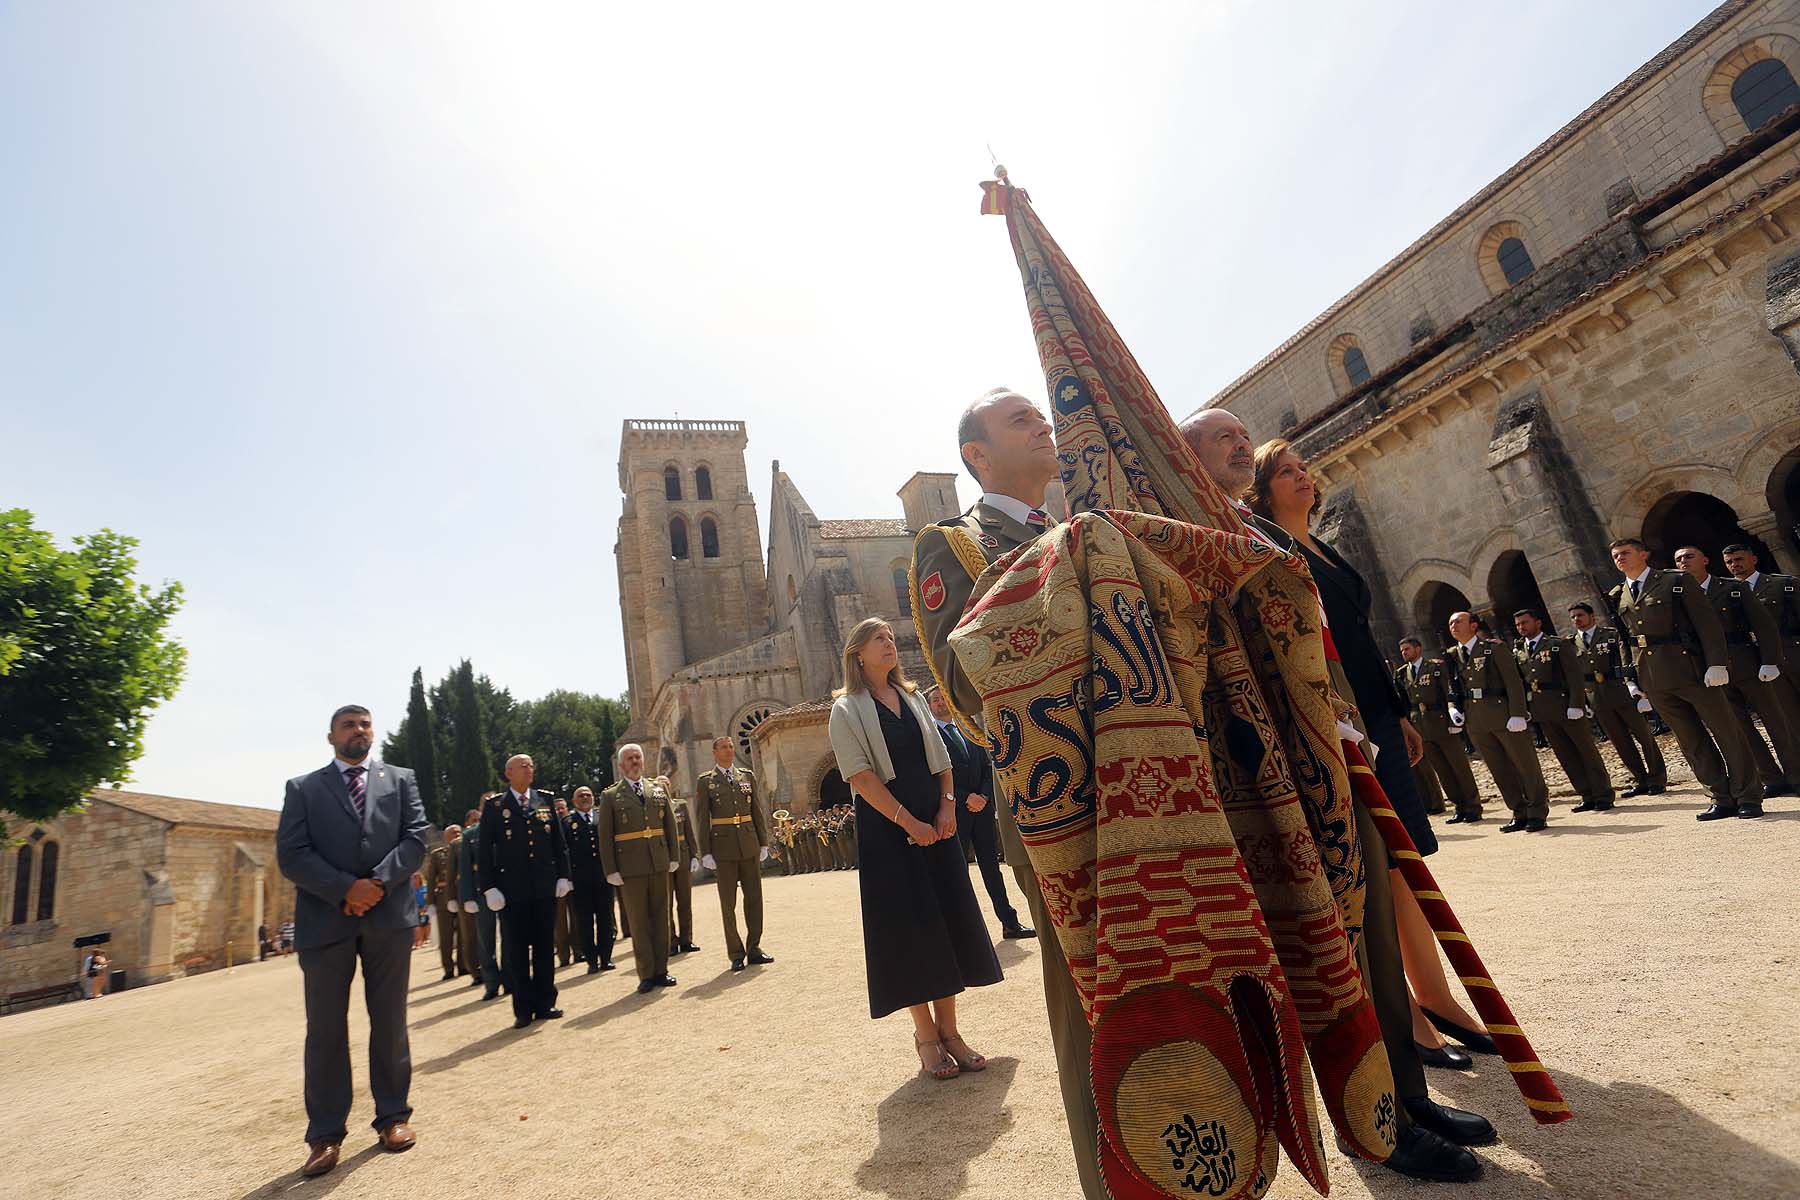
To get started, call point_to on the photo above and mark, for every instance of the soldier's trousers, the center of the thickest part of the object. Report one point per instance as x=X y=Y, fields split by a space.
x=444 y=924
x=565 y=931
x=1070 y=1033
x=1760 y=698
x=1450 y=765
x=740 y=874
x=487 y=932
x=681 y=911
x=1627 y=730
x=1512 y=759
x=1713 y=743
x=529 y=954
x=1574 y=748
x=646 y=900
x=592 y=903
x=468 y=940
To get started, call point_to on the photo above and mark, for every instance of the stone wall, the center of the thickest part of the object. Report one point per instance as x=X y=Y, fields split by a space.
x=225 y=882
x=791 y=759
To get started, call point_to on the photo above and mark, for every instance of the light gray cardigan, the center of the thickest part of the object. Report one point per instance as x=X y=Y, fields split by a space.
x=856 y=736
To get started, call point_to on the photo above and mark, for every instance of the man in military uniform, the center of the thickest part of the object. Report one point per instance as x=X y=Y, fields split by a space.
x=1433 y=692
x=1617 y=703
x=1682 y=662
x=565 y=916
x=475 y=911
x=1555 y=697
x=1753 y=644
x=437 y=893
x=852 y=847
x=592 y=897
x=525 y=867
x=637 y=847
x=1496 y=721
x=1780 y=597
x=687 y=853
x=465 y=959
x=733 y=843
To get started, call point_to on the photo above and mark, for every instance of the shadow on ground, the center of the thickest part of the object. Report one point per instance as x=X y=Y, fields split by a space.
x=929 y=1132
x=294 y=1183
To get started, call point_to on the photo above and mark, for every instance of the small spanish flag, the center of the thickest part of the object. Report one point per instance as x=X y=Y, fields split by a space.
x=997 y=195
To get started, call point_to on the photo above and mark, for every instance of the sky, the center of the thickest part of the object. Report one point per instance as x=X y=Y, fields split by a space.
x=339 y=308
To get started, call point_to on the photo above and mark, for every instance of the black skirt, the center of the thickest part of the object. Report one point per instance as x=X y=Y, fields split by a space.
x=924 y=938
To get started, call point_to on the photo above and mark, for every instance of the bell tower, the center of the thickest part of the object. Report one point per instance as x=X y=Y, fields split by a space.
x=691 y=580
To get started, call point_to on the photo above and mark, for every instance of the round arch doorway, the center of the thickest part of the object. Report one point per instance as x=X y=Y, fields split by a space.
x=1512 y=586
x=1432 y=609
x=1697 y=519
x=833 y=790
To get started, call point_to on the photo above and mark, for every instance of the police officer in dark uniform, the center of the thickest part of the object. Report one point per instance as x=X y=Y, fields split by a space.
x=525 y=868
x=592 y=898
x=1679 y=653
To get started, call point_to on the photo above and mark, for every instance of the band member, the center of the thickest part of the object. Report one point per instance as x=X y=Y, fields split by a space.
x=637 y=846
x=592 y=897
x=733 y=842
x=1617 y=703
x=525 y=868
x=1679 y=653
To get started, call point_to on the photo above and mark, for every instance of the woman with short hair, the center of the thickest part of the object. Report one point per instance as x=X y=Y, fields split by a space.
x=924 y=939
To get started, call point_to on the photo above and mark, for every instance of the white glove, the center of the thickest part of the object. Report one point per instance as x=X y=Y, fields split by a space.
x=1633 y=689
x=563 y=888
x=707 y=861
x=454 y=907
x=1717 y=676
x=674 y=866
x=1643 y=704
x=616 y=879
x=693 y=864
x=1768 y=674
x=1456 y=717
x=764 y=856
x=495 y=900
x=1349 y=732
x=1516 y=724
x=1575 y=714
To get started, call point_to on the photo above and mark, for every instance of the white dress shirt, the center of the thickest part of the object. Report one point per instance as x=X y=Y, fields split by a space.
x=1012 y=506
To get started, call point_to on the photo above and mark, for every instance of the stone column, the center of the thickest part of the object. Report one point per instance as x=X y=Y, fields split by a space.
x=1343 y=524
x=1558 y=529
x=1767 y=526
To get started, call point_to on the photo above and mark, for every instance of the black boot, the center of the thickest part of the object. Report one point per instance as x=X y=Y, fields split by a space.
x=1452 y=1124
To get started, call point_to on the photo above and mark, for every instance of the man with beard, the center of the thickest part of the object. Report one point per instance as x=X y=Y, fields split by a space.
x=525 y=870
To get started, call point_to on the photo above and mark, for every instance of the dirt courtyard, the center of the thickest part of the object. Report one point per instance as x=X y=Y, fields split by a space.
x=1652 y=960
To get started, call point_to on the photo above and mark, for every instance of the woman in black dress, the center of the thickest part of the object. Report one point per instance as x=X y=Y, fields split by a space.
x=924 y=939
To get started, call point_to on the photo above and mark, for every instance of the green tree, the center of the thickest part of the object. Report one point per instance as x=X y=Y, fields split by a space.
x=414 y=744
x=570 y=737
x=472 y=769
x=84 y=658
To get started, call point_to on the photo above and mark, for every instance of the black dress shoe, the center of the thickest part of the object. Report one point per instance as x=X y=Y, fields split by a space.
x=1779 y=789
x=1447 y=1057
x=663 y=980
x=1458 y=819
x=550 y=1014
x=646 y=986
x=1452 y=1124
x=1514 y=825
x=1718 y=812
x=521 y=1022
x=593 y=968
x=608 y=966
x=1635 y=790
x=759 y=958
x=1586 y=806
x=1015 y=932
x=1479 y=1043
x=737 y=964
x=1749 y=812
x=486 y=996
x=449 y=975
x=688 y=947
x=1657 y=789
x=1536 y=825
x=1422 y=1154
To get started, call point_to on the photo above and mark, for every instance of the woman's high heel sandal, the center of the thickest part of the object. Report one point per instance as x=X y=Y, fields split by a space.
x=1479 y=1043
x=968 y=1060
x=943 y=1067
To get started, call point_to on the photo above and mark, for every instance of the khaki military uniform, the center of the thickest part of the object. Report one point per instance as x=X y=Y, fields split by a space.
x=1431 y=687
x=1780 y=597
x=439 y=889
x=1495 y=694
x=637 y=843
x=1555 y=686
x=1603 y=673
x=1673 y=634
x=687 y=849
x=1753 y=641
x=947 y=558
x=731 y=829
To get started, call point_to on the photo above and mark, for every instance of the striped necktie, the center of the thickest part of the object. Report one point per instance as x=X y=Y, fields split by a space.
x=1037 y=518
x=353 y=778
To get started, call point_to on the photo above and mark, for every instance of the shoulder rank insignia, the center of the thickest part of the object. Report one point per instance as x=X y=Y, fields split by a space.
x=931 y=591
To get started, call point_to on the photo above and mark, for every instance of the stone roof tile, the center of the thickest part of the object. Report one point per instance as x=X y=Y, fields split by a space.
x=178 y=811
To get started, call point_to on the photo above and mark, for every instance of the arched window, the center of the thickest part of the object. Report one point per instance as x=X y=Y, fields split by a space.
x=21 y=906
x=1764 y=91
x=702 y=483
x=1356 y=367
x=709 y=537
x=678 y=547
x=902 y=592
x=672 y=485
x=46 y=906
x=1348 y=368
x=1515 y=260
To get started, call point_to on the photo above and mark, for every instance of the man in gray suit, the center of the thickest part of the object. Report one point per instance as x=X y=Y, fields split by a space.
x=351 y=835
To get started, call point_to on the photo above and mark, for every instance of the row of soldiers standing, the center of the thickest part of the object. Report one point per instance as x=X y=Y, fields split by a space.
x=1708 y=654
x=818 y=841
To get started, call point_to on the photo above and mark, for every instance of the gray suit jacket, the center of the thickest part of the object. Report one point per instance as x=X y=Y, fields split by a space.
x=324 y=849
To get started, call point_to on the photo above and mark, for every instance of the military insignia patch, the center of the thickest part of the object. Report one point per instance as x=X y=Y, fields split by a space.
x=932 y=591
x=989 y=540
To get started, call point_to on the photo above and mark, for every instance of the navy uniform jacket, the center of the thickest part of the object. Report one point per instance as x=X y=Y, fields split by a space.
x=583 y=834
x=522 y=848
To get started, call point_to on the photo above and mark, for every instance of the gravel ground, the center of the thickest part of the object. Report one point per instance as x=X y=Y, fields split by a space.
x=1650 y=958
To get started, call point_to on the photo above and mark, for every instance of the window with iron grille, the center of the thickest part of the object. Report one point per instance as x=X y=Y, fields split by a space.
x=1764 y=91
x=1515 y=260
x=1356 y=367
